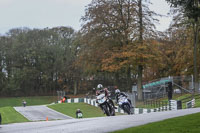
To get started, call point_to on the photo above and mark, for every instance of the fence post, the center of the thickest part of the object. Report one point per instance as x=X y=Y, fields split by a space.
x=0 y=118
x=159 y=105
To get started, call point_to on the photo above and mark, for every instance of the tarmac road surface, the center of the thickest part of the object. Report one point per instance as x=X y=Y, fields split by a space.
x=93 y=125
x=39 y=113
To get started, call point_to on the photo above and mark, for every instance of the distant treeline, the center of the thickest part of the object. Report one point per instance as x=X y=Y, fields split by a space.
x=116 y=46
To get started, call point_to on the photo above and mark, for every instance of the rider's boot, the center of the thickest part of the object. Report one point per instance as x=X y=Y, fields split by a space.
x=113 y=104
x=131 y=106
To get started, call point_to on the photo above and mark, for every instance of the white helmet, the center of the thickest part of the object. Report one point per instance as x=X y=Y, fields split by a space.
x=117 y=91
x=99 y=86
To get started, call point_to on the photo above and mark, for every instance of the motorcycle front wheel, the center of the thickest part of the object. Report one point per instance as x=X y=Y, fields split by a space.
x=106 y=109
x=127 y=109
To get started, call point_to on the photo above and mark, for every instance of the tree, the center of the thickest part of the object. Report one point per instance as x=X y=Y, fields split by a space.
x=191 y=10
x=117 y=35
x=36 y=61
x=2 y=64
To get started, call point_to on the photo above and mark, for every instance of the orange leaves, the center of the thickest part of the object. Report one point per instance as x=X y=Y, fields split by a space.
x=114 y=60
x=119 y=58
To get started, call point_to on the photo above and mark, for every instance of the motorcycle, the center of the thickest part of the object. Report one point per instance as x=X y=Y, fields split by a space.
x=124 y=104
x=80 y=115
x=106 y=105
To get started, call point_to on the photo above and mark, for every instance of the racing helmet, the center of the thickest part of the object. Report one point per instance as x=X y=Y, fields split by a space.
x=99 y=86
x=117 y=91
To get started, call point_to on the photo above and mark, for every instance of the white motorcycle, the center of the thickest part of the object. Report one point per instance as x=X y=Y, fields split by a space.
x=124 y=104
x=105 y=104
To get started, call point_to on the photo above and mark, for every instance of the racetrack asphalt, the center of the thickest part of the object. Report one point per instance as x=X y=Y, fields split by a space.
x=39 y=113
x=93 y=125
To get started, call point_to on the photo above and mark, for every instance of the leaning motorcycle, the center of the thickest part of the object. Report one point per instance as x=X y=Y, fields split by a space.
x=124 y=104
x=106 y=105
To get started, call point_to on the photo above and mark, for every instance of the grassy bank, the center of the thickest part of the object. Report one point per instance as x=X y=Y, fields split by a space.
x=17 y=101
x=175 y=97
x=9 y=115
x=70 y=109
x=184 y=124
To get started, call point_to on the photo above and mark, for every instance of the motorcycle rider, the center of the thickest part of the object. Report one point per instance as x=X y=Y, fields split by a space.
x=101 y=90
x=118 y=94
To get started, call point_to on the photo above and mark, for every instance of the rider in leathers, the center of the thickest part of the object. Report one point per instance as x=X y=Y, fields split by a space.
x=118 y=94
x=101 y=90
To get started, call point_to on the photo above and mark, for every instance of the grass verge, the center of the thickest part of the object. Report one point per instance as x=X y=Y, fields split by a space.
x=70 y=109
x=175 y=97
x=183 y=124
x=17 y=101
x=9 y=115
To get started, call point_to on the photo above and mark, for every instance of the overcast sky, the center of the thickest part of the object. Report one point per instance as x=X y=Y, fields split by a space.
x=53 y=13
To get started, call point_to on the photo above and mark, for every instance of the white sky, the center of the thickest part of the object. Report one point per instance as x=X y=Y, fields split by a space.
x=52 y=13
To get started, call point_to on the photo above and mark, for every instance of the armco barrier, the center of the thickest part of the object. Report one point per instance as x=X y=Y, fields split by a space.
x=190 y=104
x=134 y=110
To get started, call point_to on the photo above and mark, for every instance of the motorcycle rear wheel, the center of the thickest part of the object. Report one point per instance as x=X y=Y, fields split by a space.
x=112 y=110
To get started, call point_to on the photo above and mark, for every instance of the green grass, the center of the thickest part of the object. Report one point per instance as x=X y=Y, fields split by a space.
x=184 y=124
x=179 y=97
x=17 y=101
x=9 y=115
x=197 y=101
x=197 y=104
x=175 y=97
x=70 y=109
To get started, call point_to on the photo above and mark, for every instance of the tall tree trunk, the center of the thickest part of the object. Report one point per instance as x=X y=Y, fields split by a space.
x=117 y=81
x=140 y=67
x=195 y=56
x=139 y=82
x=75 y=87
x=129 y=79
